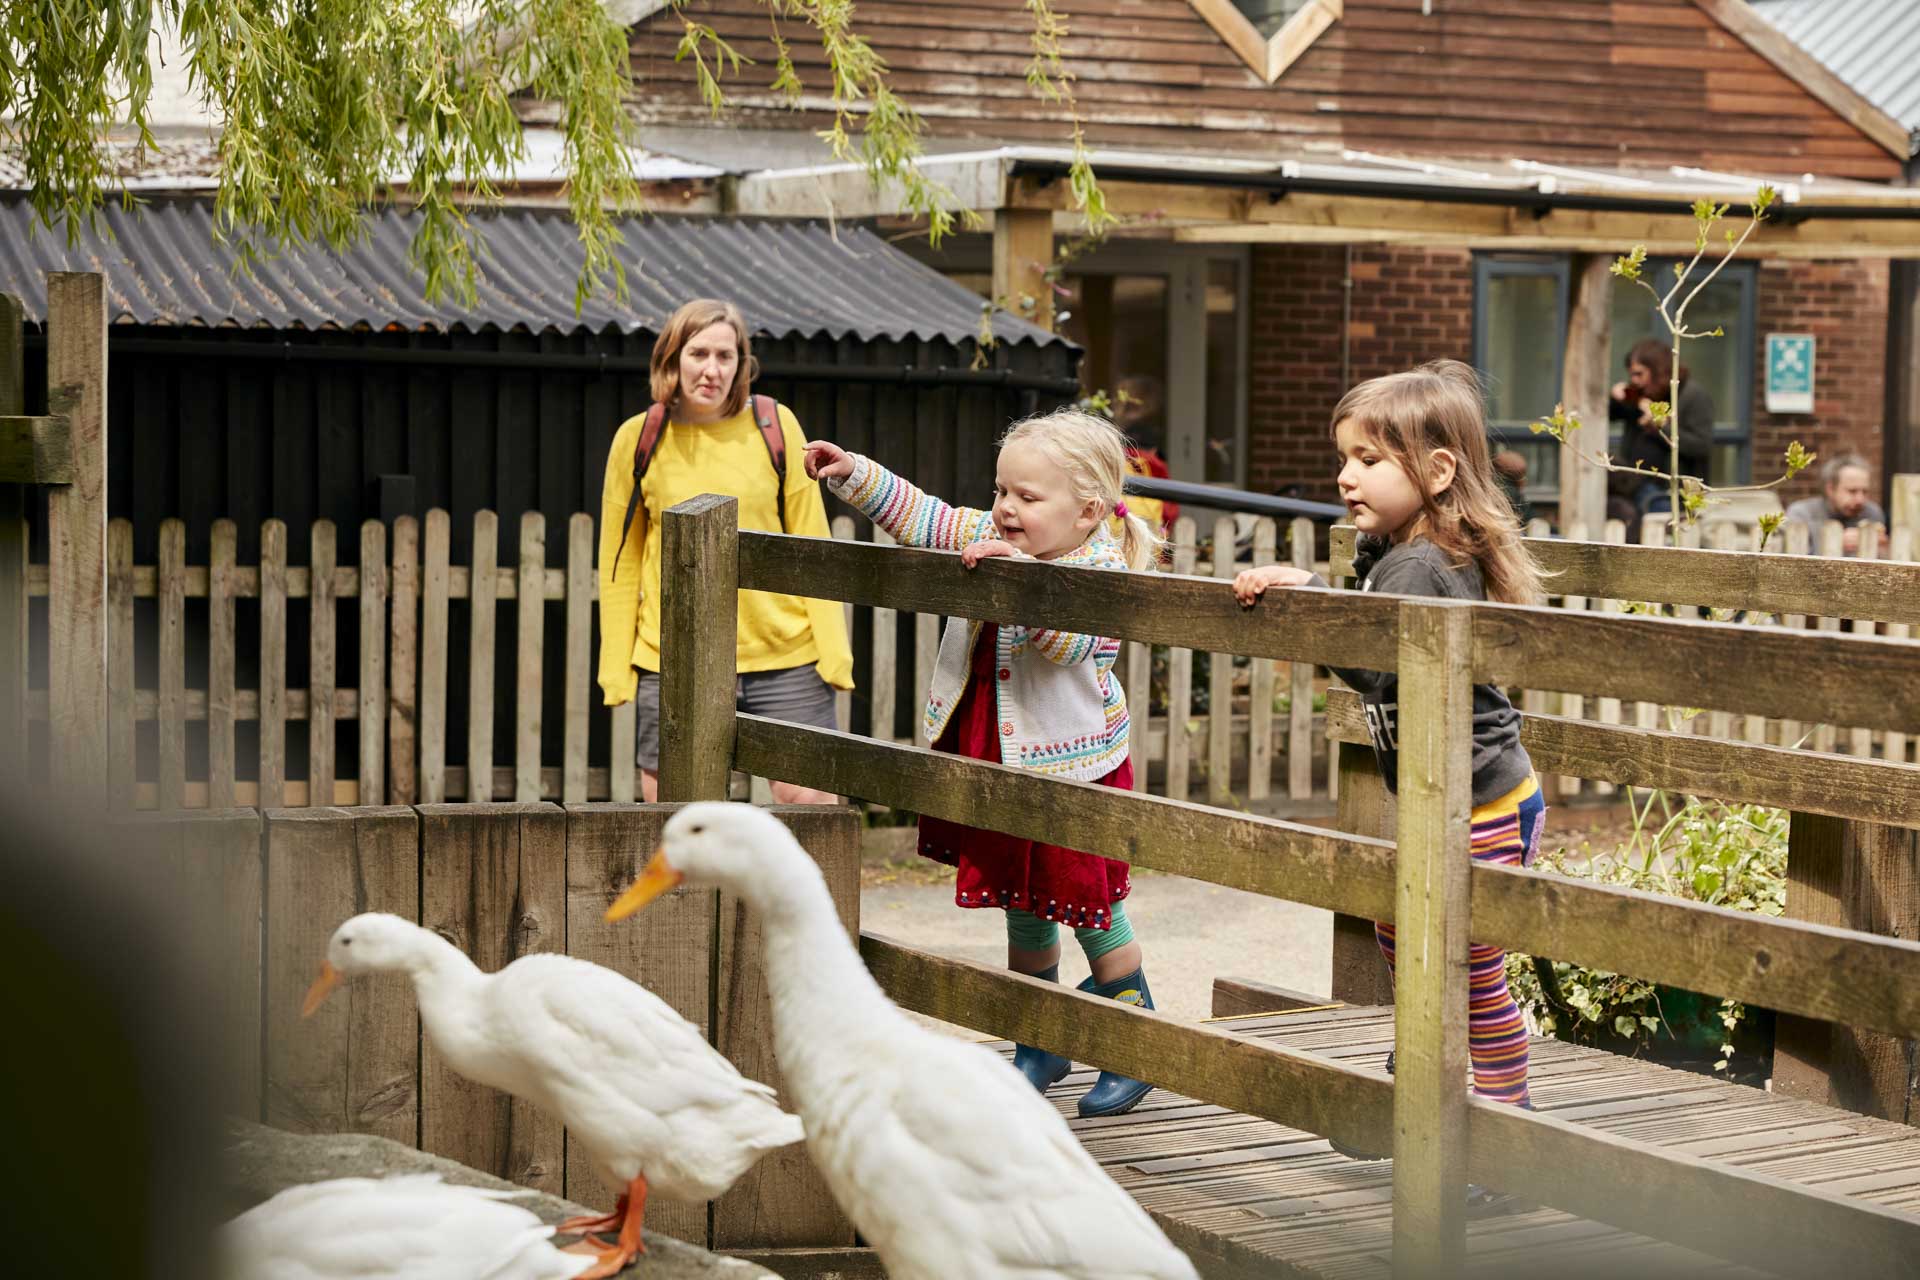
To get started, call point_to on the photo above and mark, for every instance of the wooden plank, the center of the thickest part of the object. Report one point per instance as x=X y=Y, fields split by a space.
x=1236 y=997
x=1880 y=894
x=697 y=622
x=493 y=881
x=77 y=539
x=1180 y=676
x=1220 y=682
x=383 y=1026
x=122 y=751
x=1022 y=258
x=1260 y=677
x=14 y=611
x=886 y=662
x=926 y=649
x=815 y=1264
x=1366 y=808
x=1783 y=777
x=323 y=620
x=843 y=698
x=579 y=691
x=1802 y=1046
x=273 y=664
x=1139 y=688
x=373 y=662
x=783 y=1200
x=1754 y=728
x=1894 y=744
x=1798 y=543
x=1572 y=704
x=403 y=763
x=1430 y=985
x=607 y=847
x=433 y=659
x=1719 y=537
x=1300 y=705
x=35 y=450
x=1860 y=741
x=173 y=664
x=221 y=640
x=623 y=747
x=1586 y=372
x=1825 y=735
x=528 y=687
x=483 y=614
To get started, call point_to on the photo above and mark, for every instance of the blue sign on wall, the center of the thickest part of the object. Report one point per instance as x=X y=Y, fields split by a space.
x=1789 y=373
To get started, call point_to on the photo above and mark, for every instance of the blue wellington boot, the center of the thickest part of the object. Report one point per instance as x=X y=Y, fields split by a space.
x=1042 y=1069
x=1114 y=1094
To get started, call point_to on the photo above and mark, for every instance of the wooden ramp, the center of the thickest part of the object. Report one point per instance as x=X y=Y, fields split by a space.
x=1249 y=1197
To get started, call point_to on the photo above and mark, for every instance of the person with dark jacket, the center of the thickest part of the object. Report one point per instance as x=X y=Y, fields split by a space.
x=1632 y=495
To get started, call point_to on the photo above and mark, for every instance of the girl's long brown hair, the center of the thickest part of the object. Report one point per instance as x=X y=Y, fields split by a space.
x=1439 y=405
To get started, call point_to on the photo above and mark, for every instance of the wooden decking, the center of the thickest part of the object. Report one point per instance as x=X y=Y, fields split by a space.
x=1249 y=1197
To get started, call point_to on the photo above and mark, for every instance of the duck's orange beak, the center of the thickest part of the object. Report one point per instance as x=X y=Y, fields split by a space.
x=322 y=988
x=660 y=877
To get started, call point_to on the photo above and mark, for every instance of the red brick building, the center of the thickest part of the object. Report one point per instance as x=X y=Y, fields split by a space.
x=1318 y=191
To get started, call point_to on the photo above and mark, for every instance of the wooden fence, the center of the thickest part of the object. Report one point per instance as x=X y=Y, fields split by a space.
x=1423 y=879
x=258 y=893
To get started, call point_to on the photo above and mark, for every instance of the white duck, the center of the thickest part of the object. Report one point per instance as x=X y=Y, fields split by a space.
x=943 y=1155
x=406 y=1228
x=651 y=1101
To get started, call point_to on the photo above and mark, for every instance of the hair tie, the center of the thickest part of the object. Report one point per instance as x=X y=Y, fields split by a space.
x=1120 y=509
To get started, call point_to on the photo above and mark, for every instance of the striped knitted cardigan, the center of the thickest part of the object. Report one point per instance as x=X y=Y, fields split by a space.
x=1060 y=707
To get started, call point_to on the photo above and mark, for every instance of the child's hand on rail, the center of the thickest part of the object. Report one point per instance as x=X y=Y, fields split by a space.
x=1250 y=584
x=974 y=552
x=827 y=460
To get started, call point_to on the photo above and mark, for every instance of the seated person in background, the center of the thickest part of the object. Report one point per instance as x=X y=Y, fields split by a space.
x=1848 y=481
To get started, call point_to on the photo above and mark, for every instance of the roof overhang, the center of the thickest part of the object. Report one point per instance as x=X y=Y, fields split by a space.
x=1361 y=198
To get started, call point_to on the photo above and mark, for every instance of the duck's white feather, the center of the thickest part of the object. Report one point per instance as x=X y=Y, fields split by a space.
x=406 y=1228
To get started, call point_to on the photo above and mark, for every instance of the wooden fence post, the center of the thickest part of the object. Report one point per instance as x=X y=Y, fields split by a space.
x=1220 y=683
x=1431 y=905
x=1365 y=808
x=77 y=537
x=13 y=557
x=698 y=607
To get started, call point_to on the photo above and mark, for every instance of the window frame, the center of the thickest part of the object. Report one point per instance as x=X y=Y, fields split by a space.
x=1740 y=434
x=1489 y=266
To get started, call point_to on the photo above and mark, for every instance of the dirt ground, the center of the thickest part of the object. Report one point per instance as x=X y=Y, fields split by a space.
x=1190 y=931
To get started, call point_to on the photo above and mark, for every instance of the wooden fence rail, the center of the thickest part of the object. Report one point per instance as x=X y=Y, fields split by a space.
x=1422 y=879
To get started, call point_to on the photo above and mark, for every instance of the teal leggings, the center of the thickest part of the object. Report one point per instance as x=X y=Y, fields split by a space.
x=1029 y=932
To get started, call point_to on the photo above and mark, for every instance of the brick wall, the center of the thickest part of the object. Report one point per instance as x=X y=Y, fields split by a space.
x=1409 y=305
x=1844 y=305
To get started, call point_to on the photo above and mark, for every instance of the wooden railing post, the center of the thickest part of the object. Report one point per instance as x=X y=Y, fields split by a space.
x=1360 y=974
x=699 y=573
x=77 y=536
x=13 y=557
x=1431 y=906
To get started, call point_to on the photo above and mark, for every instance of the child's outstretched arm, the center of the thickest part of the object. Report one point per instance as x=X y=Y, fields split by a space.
x=1250 y=584
x=914 y=517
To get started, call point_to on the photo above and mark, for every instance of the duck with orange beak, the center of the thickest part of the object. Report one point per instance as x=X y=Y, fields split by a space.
x=655 y=1106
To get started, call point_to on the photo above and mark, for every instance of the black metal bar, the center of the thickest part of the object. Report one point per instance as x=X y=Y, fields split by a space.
x=1278 y=186
x=595 y=365
x=1218 y=499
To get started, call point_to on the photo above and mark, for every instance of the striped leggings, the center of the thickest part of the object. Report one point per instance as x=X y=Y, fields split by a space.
x=1507 y=831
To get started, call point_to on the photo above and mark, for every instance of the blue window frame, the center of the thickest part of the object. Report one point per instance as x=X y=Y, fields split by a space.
x=1520 y=304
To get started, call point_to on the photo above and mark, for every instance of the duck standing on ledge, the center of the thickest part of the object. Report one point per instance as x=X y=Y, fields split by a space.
x=652 y=1102
x=408 y=1228
x=939 y=1151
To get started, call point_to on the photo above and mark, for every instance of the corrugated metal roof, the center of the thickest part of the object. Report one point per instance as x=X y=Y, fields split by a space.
x=792 y=279
x=1874 y=45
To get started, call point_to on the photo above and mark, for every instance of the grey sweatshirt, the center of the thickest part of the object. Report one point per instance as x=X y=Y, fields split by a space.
x=1419 y=568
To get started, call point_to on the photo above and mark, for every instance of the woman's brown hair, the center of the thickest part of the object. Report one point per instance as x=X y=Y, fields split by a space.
x=691 y=319
x=1440 y=405
x=1657 y=358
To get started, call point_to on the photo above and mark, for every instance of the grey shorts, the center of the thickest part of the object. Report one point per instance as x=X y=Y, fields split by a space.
x=797 y=694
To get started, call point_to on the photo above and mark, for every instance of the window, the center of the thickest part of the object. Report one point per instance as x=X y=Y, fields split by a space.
x=1268 y=16
x=1723 y=365
x=1269 y=35
x=1519 y=346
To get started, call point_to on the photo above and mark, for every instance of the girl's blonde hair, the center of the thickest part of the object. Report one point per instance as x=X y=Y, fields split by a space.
x=1440 y=405
x=1093 y=454
x=692 y=319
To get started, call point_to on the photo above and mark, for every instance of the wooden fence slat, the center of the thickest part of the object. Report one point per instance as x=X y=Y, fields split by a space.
x=1260 y=678
x=1300 y=686
x=273 y=664
x=1139 y=687
x=14 y=569
x=221 y=641
x=1614 y=533
x=580 y=686
x=403 y=762
x=886 y=662
x=122 y=757
x=1180 y=674
x=1220 y=682
x=1720 y=537
x=323 y=657
x=699 y=557
x=483 y=613
x=173 y=664
x=926 y=649
x=1572 y=705
x=1860 y=741
x=623 y=749
x=433 y=659
x=373 y=664
x=1754 y=728
x=1432 y=900
x=528 y=687
x=843 y=698
x=77 y=687
x=1894 y=744
x=497 y=889
x=1826 y=737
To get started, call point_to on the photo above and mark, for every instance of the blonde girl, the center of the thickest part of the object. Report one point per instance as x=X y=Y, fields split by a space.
x=1418 y=481
x=1031 y=698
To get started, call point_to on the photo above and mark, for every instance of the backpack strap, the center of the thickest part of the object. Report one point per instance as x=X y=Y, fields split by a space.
x=766 y=412
x=650 y=433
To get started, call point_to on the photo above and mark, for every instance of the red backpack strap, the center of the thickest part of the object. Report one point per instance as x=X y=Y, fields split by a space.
x=650 y=432
x=766 y=412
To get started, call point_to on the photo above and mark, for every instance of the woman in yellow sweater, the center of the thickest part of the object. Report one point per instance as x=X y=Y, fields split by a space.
x=792 y=651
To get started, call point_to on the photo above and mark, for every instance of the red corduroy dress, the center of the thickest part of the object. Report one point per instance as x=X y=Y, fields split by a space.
x=998 y=870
